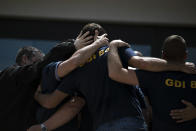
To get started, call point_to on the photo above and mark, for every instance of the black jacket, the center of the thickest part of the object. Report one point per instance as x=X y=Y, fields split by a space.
x=18 y=85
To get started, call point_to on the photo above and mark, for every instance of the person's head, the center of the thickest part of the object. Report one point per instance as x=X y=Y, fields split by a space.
x=94 y=30
x=28 y=55
x=174 y=49
x=91 y=27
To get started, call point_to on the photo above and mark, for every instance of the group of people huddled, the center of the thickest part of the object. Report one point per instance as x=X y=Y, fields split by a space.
x=92 y=83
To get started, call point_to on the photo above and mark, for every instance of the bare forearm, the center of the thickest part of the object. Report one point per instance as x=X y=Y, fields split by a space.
x=85 y=53
x=115 y=68
x=50 y=100
x=154 y=64
x=81 y=56
x=114 y=62
x=69 y=110
x=43 y=99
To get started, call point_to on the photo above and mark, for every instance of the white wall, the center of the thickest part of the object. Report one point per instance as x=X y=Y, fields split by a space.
x=142 y=11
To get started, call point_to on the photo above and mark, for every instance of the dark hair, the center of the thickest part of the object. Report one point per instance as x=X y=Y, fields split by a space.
x=29 y=51
x=91 y=27
x=174 y=48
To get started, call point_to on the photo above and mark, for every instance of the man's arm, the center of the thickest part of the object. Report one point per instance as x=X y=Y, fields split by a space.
x=80 y=56
x=115 y=67
x=156 y=65
x=186 y=114
x=64 y=50
x=119 y=73
x=49 y=100
x=69 y=110
x=128 y=76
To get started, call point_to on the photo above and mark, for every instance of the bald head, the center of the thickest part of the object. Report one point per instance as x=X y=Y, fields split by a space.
x=174 y=48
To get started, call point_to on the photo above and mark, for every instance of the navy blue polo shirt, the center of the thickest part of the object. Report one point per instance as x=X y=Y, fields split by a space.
x=50 y=81
x=165 y=91
x=106 y=99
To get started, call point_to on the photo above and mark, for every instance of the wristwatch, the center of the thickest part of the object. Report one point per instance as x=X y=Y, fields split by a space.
x=43 y=127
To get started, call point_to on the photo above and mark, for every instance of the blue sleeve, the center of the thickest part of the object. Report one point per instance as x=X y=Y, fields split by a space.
x=68 y=84
x=50 y=78
x=125 y=54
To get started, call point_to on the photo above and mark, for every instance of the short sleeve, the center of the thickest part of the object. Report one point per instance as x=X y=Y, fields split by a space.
x=51 y=70
x=68 y=84
x=125 y=54
x=50 y=77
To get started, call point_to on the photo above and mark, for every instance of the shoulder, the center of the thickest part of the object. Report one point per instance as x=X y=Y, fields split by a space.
x=51 y=67
x=9 y=70
x=15 y=68
x=15 y=71
x=52 y=64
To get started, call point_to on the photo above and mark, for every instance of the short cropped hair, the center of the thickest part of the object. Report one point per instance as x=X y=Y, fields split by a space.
x=174 y=48
x=28 y=51
x=91 y=27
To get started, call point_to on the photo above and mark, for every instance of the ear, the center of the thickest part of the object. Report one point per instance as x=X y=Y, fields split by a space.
x=24 y=60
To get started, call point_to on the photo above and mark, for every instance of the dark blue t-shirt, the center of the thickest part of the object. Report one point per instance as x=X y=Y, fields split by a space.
x=165 y=91
x=50 y=81
x=107 y=100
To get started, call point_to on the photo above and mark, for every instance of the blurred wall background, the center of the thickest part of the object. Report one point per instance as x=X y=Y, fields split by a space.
x=144 y=24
